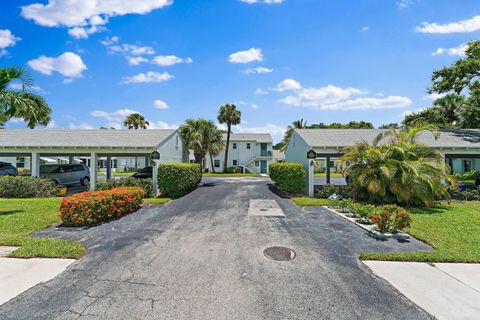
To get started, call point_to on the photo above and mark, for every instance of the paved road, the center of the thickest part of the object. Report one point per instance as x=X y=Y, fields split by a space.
x=201 y=257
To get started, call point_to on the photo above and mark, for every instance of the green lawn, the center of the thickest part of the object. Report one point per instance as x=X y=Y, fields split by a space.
x=332 y=174
x=21 y=217
x=309 y=202
x=231 y=175
x=155 y=201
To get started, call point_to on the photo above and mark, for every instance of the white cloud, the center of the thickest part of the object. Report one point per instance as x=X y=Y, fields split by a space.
x=159 y=104
x=247 y=56
x=458 y=51
x=83 y=33
x=83 y=125
x=260 y=91
x=128 y=49
x=148 y=77
x=171 y=60
x=365 y=28
x=19 y=86
x=113 y=117
x=334 y=98
x=67 y=64
x=135 y=61
x=434 y=96
x=404 y=3
x=257 y=70
x=254 y=106
x=469 y=25
x=86 y=13
x=263 y=1
x=161 y=125
x=287 y=85
x=7 y=39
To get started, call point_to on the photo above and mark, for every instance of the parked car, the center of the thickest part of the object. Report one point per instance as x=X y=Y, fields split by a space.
x=7 y=169
x=66 y=174
x=144 y=173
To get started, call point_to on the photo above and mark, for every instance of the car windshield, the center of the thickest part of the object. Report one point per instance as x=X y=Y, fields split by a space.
x=49 y=169
x=146 y=170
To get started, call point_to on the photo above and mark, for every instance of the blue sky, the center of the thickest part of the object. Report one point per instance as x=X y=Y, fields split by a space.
x=96 y=61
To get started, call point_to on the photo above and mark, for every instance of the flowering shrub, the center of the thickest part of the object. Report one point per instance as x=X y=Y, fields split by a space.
x=88 y=208
x=27 y=187
x=391 y=218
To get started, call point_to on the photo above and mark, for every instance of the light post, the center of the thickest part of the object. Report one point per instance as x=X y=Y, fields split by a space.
x=155 y=156
x=311 y=156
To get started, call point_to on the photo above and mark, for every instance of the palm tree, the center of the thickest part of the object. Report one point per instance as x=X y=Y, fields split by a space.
x=136 y=121
x=202 y=136
x=229 y=115
x=399 y=170
x=21 y=103
x=297 y=124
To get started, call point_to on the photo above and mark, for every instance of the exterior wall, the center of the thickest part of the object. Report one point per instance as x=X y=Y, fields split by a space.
x=243 y=156
x=297 y=150
x=173 y=149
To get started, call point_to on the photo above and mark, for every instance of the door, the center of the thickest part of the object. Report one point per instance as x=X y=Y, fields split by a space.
x=263 y=150
x=263 y=166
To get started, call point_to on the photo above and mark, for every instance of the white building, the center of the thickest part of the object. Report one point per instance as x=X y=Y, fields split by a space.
x=89 y=146
x=248 y=152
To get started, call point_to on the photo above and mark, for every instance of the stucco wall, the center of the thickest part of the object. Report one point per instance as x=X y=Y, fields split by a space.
x=172 y=149
x=297 y=150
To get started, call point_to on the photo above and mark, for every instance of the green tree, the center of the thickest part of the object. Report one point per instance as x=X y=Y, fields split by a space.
x=229 y=115
x=392 y=125
x=136 y=121
x=397 y=169
x=202 y=136
x=462 y=79
x=22 y=104
x=297 y=124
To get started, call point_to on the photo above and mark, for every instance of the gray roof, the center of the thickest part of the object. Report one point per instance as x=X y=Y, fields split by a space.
x=258 y=137
x=83 y=138
x=316 y=138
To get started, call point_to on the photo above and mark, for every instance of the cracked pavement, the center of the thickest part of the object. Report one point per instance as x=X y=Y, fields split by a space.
x=201 y=257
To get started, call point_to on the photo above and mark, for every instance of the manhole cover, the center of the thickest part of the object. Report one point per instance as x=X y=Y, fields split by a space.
x=279 y=253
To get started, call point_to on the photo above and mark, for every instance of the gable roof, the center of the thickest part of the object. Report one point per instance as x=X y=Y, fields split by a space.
x=83 y=138
x=316 y=138
x=257 y=137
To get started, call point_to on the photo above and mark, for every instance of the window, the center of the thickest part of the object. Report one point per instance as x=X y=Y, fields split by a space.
x=217 y=163
x=257 y=163
x=234 y=146
x=248 y=145
x=467 y=165
x=77 y=167
x=235 y=163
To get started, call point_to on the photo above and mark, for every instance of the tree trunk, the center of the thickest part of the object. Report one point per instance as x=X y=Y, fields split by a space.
x=198 y=159
x=226 y=148
x=211 y=161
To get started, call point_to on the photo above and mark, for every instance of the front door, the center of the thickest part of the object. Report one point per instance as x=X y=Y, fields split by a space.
x=263 y=166
x=263 y=149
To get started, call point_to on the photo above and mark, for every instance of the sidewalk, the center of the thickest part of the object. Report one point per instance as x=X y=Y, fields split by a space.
x=445 y=290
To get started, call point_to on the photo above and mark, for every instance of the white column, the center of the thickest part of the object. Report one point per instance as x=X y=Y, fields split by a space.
x=155 y=177
x=93 y=171
x=35 y=164
x=311 y=185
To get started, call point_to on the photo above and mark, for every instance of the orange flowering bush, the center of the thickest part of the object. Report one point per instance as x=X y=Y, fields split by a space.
x=391 y=218
x=88 y=208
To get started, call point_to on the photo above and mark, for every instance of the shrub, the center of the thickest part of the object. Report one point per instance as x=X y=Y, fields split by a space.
x=178 y=179
x=88 y=208
x=145 y=184
x=231 y=170
x=464 y=195
x=471 y=175
x=27 y=187
x=364 y=211
x=290 y=176
x=326 y=191
x=391 y=218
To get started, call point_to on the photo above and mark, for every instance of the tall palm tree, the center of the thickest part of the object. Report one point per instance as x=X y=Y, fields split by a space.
x=136 y=121
x=202 y=136
x=399 y=169
x=229 y=115
x=297 y=124
x=21 y=103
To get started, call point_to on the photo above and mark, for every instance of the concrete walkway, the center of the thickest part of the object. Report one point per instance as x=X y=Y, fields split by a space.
x=18 y=275
x=202 y=257
x=446 y=290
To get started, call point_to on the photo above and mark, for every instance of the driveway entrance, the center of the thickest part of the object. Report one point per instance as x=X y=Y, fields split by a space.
x=202 y=257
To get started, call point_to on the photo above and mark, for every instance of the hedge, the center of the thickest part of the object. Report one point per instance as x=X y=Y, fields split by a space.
x=89 y=208
x=290 y=176
x=27 y=187
x=145 y=184
x=178 y=179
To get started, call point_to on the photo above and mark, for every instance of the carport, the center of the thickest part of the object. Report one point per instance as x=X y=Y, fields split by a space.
x=92 y=145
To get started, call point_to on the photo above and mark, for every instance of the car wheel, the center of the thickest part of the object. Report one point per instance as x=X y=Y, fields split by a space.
x=85 y=181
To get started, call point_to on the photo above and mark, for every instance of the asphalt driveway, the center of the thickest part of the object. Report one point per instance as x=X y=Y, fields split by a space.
x=201 y=257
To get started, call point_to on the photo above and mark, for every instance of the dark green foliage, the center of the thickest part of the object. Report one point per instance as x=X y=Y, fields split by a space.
x=178 y=179
x=145 y=184
x=290 y=176
x=329 y=189
x=465 y=195
x=231 y=170
x=27 y=187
